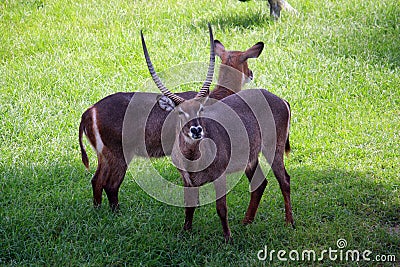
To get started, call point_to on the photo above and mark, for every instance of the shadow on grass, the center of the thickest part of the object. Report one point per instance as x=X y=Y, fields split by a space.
x=48 y=210
x=247 y=20
x=351 y=193
x=244 y=21
x=357 y=192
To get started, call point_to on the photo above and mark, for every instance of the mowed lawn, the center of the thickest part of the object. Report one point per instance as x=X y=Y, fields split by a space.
x=336 y=62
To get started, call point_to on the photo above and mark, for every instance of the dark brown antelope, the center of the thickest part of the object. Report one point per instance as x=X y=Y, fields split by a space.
x=222 y=137
x=103 y=122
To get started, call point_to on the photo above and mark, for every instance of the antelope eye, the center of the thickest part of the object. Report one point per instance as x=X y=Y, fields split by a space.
x=180 y=112
x=201 y=109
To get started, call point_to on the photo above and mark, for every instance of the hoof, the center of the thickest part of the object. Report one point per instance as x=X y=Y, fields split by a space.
x=291 y=223
x=228 y=240
x=96 y=205
x=187 y=227
x=247 y=221
x=114 y=207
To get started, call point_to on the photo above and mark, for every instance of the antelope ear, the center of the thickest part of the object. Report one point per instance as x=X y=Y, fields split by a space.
x=219 y=48
x=253 y=52
x=165 y=103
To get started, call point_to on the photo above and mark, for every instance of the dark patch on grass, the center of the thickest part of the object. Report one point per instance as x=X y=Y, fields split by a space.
x=60 y=224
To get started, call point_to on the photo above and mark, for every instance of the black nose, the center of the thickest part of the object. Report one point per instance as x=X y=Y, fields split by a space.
x=196 y=131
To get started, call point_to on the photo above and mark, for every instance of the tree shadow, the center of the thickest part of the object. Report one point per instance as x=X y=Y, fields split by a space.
x=256 y=17
x=347 y=192
x=51 y=202
x=242 y=21
x=329 y=197
x=361 y=193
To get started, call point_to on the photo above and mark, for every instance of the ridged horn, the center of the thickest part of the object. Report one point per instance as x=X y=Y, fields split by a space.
x=156 y=79
x=205 y=90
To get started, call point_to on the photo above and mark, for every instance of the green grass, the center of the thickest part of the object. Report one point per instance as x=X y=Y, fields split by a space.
x=337 y=63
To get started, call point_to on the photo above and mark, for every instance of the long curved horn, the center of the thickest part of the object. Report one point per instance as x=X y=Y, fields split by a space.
x=156 y=79
x=204 y=91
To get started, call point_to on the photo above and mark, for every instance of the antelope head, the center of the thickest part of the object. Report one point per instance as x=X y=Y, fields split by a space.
x=233 y=61
x=189 y=111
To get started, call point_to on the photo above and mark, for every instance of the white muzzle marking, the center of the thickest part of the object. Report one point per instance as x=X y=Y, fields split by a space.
x=196 y=132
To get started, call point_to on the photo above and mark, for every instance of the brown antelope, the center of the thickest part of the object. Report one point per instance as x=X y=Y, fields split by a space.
x=226 y=136
x=103 y=122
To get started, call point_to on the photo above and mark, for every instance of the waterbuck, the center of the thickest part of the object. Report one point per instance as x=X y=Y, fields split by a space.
x=103 y=122
x=215 y=138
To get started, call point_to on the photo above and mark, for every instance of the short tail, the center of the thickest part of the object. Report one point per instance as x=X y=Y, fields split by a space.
x=287 y=146
x=85 y=158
